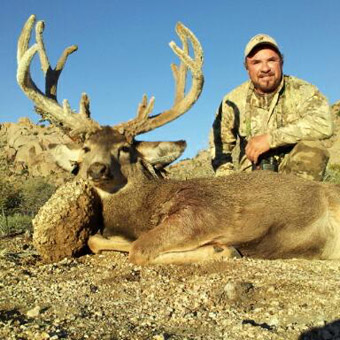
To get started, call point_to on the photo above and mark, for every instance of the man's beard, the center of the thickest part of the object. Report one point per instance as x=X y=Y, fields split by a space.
x=268 y=85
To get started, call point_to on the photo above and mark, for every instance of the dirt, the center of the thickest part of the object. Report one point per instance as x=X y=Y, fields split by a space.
x=105 y=297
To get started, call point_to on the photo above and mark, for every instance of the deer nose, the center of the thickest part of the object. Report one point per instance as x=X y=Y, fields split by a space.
x=98 y=171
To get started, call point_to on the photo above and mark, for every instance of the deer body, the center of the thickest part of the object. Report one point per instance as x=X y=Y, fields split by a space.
x=156 y=220
x=263 y=215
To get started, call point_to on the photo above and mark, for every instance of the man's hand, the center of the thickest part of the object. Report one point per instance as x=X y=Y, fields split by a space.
x=257 y=146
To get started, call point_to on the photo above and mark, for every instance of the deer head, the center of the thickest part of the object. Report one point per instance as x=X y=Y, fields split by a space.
x=109 y=156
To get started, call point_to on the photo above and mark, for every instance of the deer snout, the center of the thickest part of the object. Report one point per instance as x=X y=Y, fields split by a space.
x=98 y=171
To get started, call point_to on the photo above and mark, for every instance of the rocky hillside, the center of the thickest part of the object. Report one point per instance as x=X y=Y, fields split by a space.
x=25 y=151
x=334 y=145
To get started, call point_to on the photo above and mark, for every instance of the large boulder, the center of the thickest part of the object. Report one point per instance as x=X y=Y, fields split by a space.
x=63 y=225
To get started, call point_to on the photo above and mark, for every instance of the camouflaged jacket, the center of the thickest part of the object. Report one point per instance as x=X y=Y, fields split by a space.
x=296 y=111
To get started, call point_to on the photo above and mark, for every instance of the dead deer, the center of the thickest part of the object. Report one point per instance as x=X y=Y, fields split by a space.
x=156 y=220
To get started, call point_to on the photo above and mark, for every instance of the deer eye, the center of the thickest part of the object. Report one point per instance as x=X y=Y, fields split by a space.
x=86 y=149
x=123 y=152
x=124 y=149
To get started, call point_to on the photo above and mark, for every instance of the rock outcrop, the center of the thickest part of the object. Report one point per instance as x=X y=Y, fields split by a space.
x=26 y=147
x=334 y=145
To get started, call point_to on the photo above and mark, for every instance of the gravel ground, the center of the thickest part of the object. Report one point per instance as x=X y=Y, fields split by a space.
x=105 y=297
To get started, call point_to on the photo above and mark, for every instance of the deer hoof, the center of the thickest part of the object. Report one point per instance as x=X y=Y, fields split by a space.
x=94 y=243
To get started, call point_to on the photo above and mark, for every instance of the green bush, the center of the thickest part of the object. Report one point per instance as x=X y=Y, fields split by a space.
x=20 y=202
x=10 y=197
x=35 y=192
x=333 y=174
x=14 y=224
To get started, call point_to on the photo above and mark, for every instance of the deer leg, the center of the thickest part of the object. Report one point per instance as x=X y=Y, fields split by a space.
x=98 y=243
x=205 y=253
x=180 y=238
x=141 y=253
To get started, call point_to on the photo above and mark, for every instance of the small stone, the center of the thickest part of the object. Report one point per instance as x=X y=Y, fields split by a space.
x=230 y=290
x=274 y=321
x=34 y=312
x=158 y=337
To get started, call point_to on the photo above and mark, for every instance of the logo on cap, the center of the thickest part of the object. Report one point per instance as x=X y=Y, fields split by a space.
x=260 y=39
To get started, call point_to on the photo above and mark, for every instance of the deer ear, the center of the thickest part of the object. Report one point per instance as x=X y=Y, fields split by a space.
x=160 y=154
x=66 y=156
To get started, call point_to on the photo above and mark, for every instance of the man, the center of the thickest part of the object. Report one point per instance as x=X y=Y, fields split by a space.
x=278 y=120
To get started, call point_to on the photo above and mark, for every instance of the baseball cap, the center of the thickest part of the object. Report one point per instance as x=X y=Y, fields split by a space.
x=260 y=39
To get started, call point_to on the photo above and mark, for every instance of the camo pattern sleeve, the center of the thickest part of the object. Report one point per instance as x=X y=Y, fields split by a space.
x=306 y=114
x=223 y=135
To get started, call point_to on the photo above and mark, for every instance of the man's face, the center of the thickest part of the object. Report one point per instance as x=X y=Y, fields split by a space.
x=264 y=66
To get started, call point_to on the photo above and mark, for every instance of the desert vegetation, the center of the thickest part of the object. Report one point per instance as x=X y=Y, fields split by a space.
x=20 y=201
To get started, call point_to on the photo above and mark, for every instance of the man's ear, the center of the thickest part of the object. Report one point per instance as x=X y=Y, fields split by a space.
x=160 y=154
x=66 y=156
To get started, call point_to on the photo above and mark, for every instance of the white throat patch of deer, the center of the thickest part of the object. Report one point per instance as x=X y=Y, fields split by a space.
x=158 y=220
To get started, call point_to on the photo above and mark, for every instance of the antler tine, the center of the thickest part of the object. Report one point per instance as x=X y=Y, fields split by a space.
x=51 y=75
x=45 y=64
x=84 y=105
x=25 y=37
x=195 y=65
x=131 y=128
x=77 y=125
x=182 y=102
x=180 y=73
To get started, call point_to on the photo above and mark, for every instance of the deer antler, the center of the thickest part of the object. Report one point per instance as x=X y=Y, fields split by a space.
x=183 y=102
x=46 y=104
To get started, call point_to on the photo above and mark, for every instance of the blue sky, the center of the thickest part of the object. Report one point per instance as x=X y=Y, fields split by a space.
x=124 y=53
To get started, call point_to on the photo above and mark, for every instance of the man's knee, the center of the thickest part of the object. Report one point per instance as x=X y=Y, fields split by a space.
x=308 y=159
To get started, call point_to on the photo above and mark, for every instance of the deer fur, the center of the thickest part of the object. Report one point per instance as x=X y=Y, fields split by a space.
x=262 y=214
